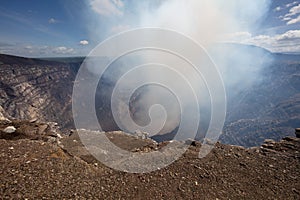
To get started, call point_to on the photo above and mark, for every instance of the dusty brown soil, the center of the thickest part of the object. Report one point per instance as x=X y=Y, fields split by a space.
x=39 y=168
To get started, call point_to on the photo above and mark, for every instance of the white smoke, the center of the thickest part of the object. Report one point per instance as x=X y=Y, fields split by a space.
x=212 y=22
x=209 y=23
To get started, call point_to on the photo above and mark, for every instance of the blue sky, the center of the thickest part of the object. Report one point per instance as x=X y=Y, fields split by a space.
x=42 y=28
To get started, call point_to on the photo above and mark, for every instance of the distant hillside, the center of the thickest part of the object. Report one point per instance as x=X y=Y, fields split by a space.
x=10 y=60
x=65 y=59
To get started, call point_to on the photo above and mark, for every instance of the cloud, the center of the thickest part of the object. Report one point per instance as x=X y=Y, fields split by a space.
x=289 y=35
x=294 y=10
x=277 y=9
x=291 y=4
x=285 y=18
x=84 y=42
x=293 y=16
x=29 y=50
x=294 y=21
x=63 y=50
x=52 y=21
x=107 y=7
x=288 y=42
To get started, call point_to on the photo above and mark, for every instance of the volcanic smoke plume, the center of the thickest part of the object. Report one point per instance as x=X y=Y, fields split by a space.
x=210 y=23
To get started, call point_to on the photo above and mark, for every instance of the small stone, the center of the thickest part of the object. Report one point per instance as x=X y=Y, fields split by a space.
x=11 y=148
x=10 y=129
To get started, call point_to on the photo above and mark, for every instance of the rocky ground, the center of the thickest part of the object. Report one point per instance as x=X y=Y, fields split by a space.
x=37 y=163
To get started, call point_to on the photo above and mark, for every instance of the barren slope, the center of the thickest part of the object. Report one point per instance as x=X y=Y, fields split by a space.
x=42 y=169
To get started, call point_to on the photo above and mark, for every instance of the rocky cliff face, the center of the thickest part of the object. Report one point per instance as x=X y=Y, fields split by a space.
x=36 y=89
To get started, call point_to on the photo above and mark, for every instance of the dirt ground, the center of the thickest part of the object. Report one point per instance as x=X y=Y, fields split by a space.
x=47 y=167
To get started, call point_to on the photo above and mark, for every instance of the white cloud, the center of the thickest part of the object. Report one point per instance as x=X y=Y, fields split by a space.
x=288 y=42
x=63 y=50
x=29 y=50
x=84 y=42
x=52 y=21
x=291 y=4
x=294 y=21
x=107 y=7
x=285 y=18
x=294 y=11
x=292 y=17
x=277 y=9
x=292 y=34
